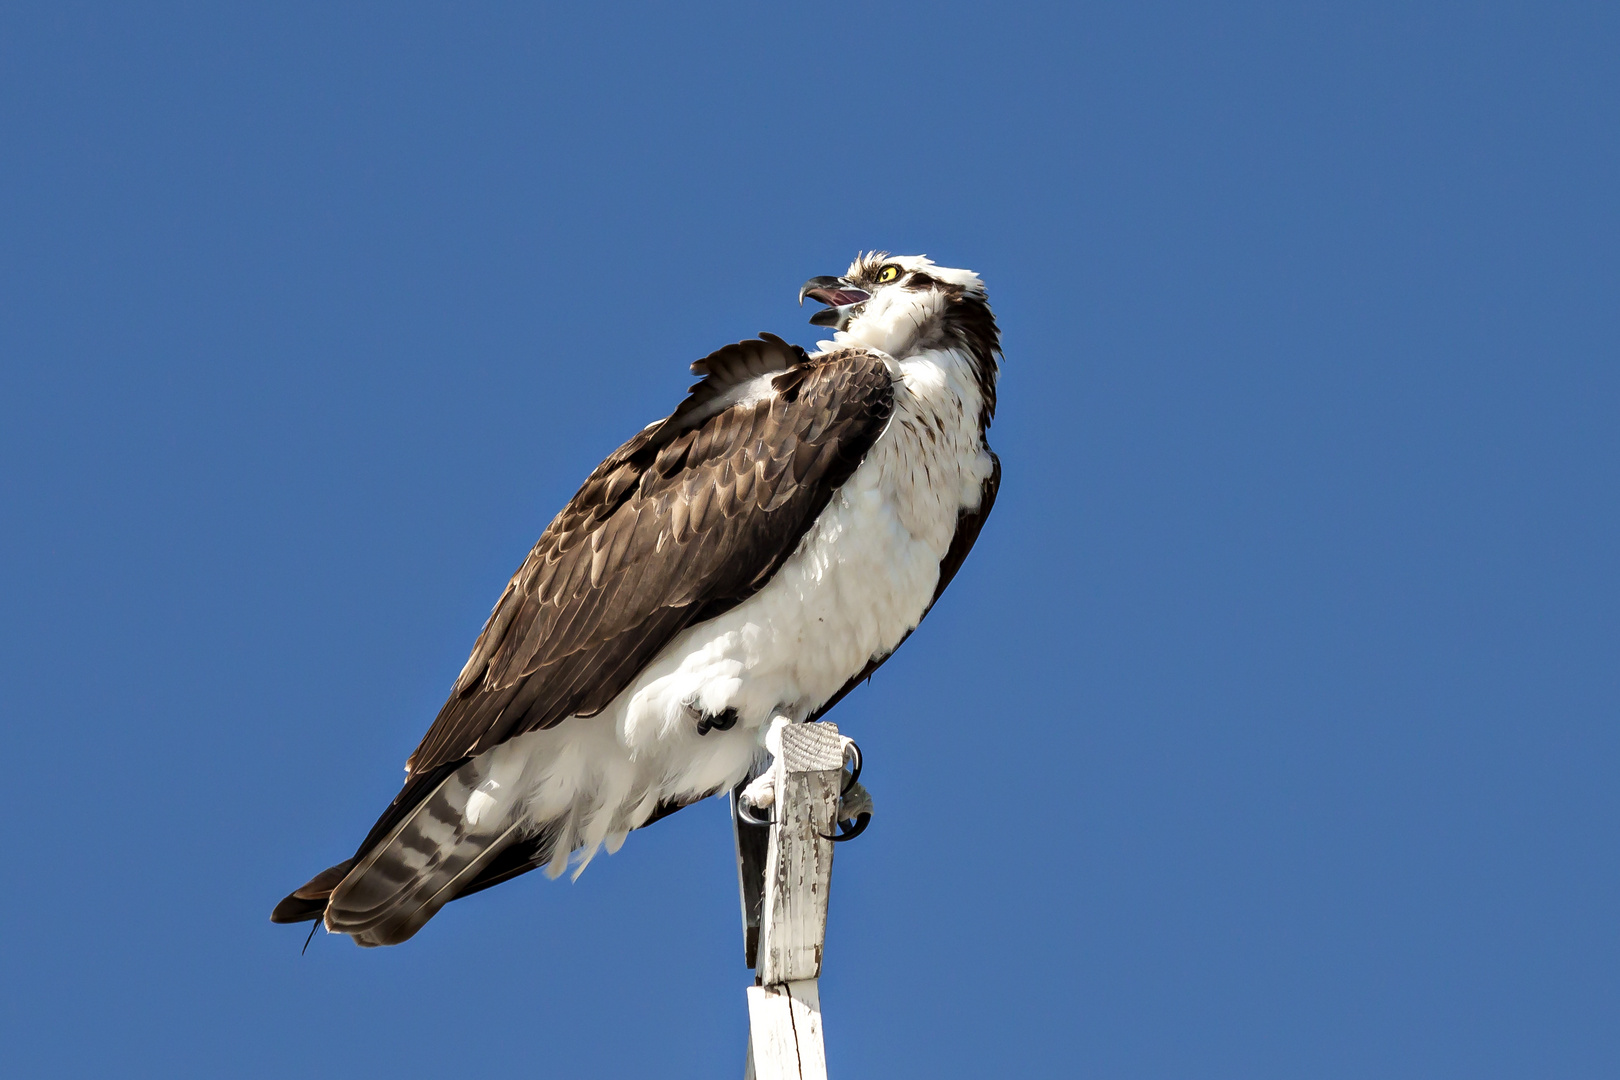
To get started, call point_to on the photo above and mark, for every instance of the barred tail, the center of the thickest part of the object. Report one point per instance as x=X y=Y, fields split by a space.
x=404 y=880
x=468 y=826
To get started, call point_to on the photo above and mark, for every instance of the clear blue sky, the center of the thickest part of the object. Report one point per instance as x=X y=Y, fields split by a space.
x=1271 y=731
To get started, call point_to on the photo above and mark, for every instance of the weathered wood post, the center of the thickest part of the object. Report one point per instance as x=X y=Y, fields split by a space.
x=785 y=873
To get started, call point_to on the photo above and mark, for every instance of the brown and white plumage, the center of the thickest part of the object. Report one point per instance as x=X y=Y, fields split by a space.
x=748 y=559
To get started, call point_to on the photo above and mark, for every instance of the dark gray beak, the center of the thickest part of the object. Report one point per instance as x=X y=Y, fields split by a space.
x=839 y=297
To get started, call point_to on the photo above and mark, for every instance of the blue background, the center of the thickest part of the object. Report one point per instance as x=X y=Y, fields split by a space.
x=1269 y=732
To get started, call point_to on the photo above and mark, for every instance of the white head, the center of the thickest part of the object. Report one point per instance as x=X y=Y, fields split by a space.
x=904 y=305
x=890 y=302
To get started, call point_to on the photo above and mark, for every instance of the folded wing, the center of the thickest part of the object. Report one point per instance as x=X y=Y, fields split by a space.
x=681 y=523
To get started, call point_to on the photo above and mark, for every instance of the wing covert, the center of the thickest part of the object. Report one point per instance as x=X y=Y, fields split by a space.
x=689 y=518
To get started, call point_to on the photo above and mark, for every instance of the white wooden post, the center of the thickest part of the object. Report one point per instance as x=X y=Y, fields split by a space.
x=784 y=1010
x=784 y=1032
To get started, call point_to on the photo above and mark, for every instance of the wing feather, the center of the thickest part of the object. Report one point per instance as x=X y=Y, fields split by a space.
x=682 y=522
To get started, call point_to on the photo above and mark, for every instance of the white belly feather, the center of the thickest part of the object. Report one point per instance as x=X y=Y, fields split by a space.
x=860 y=580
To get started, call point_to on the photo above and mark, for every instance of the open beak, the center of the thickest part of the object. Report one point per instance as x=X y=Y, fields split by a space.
x=839 y=297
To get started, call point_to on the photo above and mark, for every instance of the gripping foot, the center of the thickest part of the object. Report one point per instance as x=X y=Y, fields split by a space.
x=722 y=721
x=854 y=814
x=744 y=809
x=854 y=803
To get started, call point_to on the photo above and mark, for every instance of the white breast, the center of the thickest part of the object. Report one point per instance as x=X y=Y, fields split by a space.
x=859 y=582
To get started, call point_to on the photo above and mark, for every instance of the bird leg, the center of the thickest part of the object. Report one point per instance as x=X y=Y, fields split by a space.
x=761 y=791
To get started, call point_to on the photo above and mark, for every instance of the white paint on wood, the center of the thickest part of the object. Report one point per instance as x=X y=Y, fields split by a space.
x=798 y=866
x=784 y=1011
x=784 y=1024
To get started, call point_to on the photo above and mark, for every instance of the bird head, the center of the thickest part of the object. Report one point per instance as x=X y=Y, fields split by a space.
x=890 y=302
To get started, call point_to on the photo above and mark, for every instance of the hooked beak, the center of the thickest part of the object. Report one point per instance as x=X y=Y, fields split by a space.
x=839 y=297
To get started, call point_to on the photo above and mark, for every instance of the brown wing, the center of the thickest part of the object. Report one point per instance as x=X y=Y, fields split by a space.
x=681 y=523
x=967 y=531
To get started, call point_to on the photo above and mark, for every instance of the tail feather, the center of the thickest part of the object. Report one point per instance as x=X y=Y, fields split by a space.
x=428 y=849
x=308 y=901
x=400 y=884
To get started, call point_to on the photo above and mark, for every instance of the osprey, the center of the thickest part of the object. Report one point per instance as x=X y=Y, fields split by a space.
x=739 y=565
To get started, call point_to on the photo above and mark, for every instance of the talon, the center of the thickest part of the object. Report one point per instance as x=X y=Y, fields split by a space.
x=862 y=820
x=853 y=752
x=721 y=721
x=757 y=794
x=854 y=814
x=739 y=807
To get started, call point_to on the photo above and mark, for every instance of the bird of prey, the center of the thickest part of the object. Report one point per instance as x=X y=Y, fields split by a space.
x=740 y=565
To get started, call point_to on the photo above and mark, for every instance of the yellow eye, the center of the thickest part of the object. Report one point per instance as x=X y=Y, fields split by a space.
x=888 y=274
